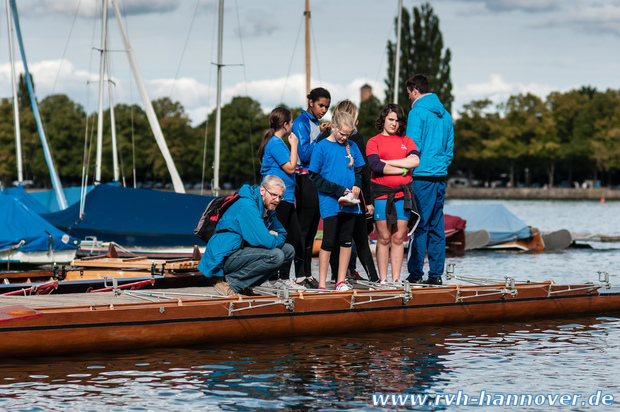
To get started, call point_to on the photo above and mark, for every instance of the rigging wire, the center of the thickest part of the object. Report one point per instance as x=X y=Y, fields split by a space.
x=245 y=83
x=292 y=58
x=383 y=57
x=189 y=32
x=131 y=114
x=204 y=156
x=316 y=53
x=64 y=53
x=88 y=141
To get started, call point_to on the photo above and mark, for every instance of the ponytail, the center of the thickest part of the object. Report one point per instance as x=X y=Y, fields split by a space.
x=278 y=117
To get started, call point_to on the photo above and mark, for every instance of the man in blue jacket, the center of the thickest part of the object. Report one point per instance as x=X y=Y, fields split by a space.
x=248 y=246
x=431 y=128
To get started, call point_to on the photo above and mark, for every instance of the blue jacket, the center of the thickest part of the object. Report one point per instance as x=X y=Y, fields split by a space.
x=431 y=128
x=306 y=128
x=242 y=221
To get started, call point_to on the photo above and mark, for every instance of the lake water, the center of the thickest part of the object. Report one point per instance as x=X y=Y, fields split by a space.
x=565 y=364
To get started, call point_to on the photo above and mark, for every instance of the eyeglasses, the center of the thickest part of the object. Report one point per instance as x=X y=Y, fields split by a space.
x=279 y=197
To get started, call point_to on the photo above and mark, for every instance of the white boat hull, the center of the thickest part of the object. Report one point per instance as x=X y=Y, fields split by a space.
x=63 y=256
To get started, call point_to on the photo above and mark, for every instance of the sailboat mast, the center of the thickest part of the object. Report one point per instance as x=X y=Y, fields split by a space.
x=307 y=14
x=18 y=139
x=117 y=174
x=218 y=110
x=60 y=195
x=104 y=36
x=397 y=52
x=177 y=183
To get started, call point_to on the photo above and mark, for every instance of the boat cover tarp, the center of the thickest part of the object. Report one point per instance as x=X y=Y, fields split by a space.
x=18 y=222
x=502 y=225
x=26 y=199
x=44 y=201
x=48 y=197
x=134 y=217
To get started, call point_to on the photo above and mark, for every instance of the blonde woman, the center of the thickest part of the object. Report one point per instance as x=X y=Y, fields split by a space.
x=336 y=172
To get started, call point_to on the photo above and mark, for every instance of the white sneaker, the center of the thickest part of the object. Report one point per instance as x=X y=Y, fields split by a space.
x=383 y=284
x=348 y=200
x=288 y=284
x=342 y=287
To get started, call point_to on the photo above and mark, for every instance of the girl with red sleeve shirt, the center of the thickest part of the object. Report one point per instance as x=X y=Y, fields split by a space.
x=391 y=156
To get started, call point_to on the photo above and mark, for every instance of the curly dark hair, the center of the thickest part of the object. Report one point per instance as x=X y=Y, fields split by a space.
x=400 y=114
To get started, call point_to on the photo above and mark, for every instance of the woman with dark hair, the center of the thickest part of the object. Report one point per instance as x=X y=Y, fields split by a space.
x=391 y=156
x=276 y=159
x=307 y=128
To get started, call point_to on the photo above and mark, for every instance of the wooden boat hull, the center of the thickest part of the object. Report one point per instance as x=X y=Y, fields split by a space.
x=66 y=330
x=96 y=273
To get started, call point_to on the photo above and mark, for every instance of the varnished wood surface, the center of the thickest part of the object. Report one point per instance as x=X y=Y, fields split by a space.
x=100 y=298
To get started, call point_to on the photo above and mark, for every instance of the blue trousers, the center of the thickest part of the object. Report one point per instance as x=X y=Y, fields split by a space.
x=252 y=266
x=429 y=236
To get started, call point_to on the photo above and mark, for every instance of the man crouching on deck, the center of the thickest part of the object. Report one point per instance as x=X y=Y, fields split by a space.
x=248 y=245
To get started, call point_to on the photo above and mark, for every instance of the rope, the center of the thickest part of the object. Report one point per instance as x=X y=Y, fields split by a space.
x=316 y=53
x=204 y=154
x=189 y=31
x=292 y=56
x=66 y=45
x=245 y=83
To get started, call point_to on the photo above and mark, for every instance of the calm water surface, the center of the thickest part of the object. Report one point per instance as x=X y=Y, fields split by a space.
x=571 y=356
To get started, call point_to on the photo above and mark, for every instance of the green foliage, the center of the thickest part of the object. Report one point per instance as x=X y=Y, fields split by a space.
x=577 y=131
x=471 y=132
x=572 y=133
x=23 y=96
x=242 y=127
x=421 y=53
x=64 y=123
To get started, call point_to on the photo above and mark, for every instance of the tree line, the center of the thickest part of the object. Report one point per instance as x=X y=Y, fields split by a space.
x=566 y=137
x=569 y=136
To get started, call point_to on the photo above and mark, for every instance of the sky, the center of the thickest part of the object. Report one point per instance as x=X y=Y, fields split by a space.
x=499 y=48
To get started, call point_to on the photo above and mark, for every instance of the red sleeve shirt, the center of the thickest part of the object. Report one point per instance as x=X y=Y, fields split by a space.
x=390 y=148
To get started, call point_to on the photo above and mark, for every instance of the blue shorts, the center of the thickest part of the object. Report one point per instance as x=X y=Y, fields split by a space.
x=400 y=211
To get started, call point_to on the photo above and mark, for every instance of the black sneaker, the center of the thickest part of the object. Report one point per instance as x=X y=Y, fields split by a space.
x=353 y=275
x=434 y=281
x=415 y=280
x=249 y=291
x=309 y=282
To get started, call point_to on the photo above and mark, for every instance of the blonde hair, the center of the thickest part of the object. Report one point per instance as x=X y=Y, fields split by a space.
x=344 y=118
x=349 y=107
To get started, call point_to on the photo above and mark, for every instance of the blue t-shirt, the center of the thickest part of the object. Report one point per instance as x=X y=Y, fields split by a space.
x=331 y=161
x=276 y=154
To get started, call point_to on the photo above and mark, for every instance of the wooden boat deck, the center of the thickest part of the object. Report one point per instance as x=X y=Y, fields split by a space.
x=100 y=298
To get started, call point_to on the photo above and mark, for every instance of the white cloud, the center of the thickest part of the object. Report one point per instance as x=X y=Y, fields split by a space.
x=501 y=6
x=91 y=8
x=50 y=77
x=597 y=19
x=497 y=90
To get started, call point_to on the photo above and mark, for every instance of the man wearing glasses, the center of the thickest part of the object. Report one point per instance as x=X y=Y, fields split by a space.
x=248 y=245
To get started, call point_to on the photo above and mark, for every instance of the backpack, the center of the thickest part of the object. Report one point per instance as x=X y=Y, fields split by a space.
x=205 y=228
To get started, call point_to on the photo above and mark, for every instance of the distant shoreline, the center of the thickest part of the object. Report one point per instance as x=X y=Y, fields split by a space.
x=504 y=193
x=533 y=193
